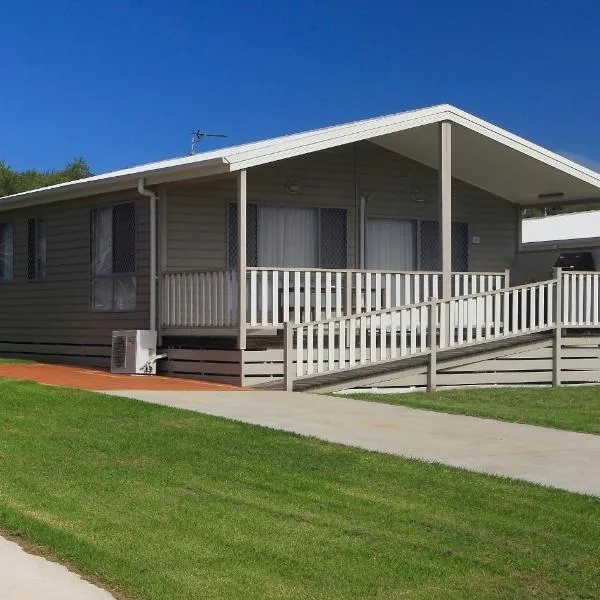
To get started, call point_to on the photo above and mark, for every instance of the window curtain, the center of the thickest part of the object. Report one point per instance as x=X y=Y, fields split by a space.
x=287 y=237
x=390 y=244
x=103 y=241
x=113 y=255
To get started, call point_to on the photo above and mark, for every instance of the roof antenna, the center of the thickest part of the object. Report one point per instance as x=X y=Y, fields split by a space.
x=198 y=136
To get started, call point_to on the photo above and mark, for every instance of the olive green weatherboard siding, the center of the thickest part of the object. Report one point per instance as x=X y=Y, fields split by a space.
x=197 y=212
x=57 y=310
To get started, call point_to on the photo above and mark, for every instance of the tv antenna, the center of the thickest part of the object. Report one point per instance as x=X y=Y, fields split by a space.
x=198 y=136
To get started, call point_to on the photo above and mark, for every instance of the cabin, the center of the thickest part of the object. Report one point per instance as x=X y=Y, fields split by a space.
x=373 y=253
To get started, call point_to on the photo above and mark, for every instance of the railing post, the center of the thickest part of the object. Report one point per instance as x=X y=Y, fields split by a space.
x=432 y=370
x=288 y=356
x=557 y=347
x=506 y=278
x=349 y=275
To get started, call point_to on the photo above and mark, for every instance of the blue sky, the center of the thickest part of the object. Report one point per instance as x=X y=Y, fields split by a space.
x=122 y=83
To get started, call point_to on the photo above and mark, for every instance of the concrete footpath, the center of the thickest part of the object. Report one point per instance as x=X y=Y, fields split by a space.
x=28 y=577
x=560 y=459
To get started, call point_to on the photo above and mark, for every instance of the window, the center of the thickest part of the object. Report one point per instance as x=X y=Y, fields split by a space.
x=403 y=245
x=113 y=258
x=430 y=246
x=6 y=252
x=36 y=249
x=390 y=244
x=291 y=236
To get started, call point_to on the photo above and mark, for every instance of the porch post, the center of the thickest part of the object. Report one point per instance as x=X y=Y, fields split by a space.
x=445 y=205
x=557 y=342
x=241 y=205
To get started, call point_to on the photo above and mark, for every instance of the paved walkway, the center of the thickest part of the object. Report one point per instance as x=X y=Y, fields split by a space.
x=27 y=577
x=561 y=459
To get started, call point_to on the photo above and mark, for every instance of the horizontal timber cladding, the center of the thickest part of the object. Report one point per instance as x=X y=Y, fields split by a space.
x=79 y=354
x=528 y=363
x=236 y=367
x=196 y=213
x=57 y=309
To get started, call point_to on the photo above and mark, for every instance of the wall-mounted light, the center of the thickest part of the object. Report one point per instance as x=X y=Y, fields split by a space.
x=293 y=187
x=551 y=196
x=418 y=196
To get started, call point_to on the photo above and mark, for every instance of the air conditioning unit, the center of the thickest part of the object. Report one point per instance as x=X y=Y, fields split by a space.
x=133 y=352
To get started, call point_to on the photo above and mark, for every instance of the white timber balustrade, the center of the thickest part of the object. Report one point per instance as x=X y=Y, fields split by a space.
x=386 y=335
x=276 y=296
x=200 y=299
x=581 y=295
x=207 y=298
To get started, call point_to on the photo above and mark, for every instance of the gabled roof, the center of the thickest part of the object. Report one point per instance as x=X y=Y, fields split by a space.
x=484 y=155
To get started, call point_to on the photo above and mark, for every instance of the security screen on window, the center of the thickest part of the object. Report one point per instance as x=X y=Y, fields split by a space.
x=291 y=237
x=113 y=258
x=6 y=252
x=36 y=249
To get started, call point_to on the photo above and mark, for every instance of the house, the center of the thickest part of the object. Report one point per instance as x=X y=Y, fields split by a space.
x=374 y=252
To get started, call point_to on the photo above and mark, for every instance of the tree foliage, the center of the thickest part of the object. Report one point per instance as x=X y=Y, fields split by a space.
x=13 y=182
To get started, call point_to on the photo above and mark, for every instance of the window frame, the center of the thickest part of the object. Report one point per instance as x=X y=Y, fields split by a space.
x=468 y=237
x=113 y=276
x=232 y=264
x=417 y=222
x=416 y=241
x=34 y=261
x=3 y=280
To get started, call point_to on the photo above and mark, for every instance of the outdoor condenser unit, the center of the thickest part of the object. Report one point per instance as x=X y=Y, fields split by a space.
x=133 y=352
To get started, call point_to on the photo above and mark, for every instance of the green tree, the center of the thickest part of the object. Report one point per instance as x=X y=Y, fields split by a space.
x=13 y=182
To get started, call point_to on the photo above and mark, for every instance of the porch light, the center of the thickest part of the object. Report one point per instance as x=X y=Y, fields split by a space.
x=550 y=196
x=293 y=187
x=418 y=196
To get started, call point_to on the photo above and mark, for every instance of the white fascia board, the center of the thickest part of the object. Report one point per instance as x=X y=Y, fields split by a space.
x=338 y=136
x=330 y=137
x=114 y=181
x=523 y=146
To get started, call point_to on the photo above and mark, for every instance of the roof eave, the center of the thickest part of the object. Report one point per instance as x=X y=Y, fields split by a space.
x=118 y=182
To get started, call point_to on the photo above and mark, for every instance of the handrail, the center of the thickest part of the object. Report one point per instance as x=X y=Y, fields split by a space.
x=366 y=339
x=316 y=270
x=435 y=301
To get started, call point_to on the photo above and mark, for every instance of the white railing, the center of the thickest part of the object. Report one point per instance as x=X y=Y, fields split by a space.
x=195 y=299
x=581 y=298
x=200 y=299
x=276 y=296
x=346 y=342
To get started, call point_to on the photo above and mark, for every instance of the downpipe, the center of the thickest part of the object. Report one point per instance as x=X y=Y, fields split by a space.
x=142 y=190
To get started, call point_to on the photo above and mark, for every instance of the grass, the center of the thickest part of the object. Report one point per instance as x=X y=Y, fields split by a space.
x=573 y=408
x=15 y=361
x=158 y=503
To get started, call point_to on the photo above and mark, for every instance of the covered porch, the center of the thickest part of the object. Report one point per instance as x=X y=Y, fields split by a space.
x=207 y=302
x=428 y=212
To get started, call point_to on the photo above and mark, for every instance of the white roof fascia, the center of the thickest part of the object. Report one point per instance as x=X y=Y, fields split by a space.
x=113 y=181
x=524 y=146
x=262 y=152
x=335 y=136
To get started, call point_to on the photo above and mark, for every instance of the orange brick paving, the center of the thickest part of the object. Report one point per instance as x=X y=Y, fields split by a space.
x=96 y=379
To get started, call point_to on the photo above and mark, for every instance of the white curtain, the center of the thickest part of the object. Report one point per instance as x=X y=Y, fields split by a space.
x=390 y=244
x=103 y=242
x=287 y=237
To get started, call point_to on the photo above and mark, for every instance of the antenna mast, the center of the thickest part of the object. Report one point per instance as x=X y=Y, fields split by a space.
x=198 y=136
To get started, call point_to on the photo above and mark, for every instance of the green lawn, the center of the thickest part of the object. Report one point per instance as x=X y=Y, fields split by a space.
x=159 y=503
x=574 y=408
x=14 y=361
